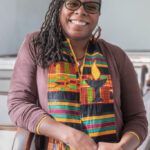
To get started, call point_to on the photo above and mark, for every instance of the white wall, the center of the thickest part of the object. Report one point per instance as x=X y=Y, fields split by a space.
x=17 y=18
x=124 y=22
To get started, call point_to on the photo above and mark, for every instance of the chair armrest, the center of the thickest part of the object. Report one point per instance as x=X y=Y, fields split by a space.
x=22 y=140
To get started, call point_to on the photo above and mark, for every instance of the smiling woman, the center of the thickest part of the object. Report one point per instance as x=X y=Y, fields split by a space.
x=73 y=89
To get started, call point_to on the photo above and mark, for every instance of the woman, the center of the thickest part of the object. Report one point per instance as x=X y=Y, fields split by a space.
x=81 y=93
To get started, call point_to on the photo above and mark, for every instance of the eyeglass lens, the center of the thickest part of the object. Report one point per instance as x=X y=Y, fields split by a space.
x=90 y=7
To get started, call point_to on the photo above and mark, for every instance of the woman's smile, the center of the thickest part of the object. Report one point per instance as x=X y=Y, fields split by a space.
x=78 y=22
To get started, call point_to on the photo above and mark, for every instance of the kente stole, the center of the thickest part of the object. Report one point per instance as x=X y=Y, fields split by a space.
x=82 y=98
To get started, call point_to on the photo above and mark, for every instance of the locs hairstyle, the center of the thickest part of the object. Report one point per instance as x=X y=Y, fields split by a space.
x=48 y=41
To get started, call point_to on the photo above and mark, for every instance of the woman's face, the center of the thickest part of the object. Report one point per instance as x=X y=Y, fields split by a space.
x=78 y=24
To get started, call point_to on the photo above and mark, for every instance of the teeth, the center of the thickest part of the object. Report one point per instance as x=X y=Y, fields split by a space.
x=78 y=22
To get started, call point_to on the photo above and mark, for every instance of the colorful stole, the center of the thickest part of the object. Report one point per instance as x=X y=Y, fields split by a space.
x=82 y=99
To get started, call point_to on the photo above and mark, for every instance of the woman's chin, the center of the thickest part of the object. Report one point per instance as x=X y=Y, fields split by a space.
x=79 y=37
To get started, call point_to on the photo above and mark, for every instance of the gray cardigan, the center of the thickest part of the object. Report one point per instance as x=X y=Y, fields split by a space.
x=27 y=98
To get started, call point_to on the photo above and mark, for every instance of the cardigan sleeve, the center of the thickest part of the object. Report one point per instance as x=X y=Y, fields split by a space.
x=22 y=97
x=132 y=106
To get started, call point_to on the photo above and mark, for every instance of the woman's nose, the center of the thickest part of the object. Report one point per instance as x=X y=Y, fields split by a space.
x=81 y=11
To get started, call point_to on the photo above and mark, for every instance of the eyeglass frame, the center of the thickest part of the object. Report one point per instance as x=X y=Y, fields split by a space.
x=84 y=3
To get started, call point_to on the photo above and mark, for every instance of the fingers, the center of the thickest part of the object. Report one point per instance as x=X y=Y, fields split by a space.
x=83 y=142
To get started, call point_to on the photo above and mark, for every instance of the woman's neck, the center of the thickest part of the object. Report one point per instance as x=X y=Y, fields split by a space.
x=79 y=47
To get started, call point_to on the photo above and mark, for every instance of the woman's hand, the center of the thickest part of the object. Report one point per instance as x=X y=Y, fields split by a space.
x=81 y=141
x=75 y=139
x=128 y=142
x=108 y=146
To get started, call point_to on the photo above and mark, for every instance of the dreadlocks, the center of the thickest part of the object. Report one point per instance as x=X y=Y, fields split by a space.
x=49 y=38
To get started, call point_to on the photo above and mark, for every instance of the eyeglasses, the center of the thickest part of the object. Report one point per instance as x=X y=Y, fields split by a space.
x=90 y=7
